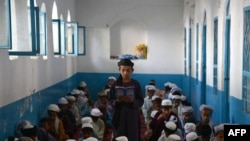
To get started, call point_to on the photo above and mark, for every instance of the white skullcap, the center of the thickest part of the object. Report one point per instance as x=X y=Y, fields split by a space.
x=219 y=128
x=70 y=140
x=89 y=125
x=103 y=93
x=53 y=107
x=203 y=106
x=176 y=97
x=191 y=136
x=86 y=120
x=183 y=98
x=174 y=89
x=168 y=84
x=154 y=97
x=187 y=109
x=75 y=92
x=111 y=77
x=28 y=126
x=121 y=138
x=152 y=115
x=173 y=118
x=91 y=139
x=170 y=125
x=83 y=84
x=95 y=112
x=107 y=91
x=82 y=93
x=62 y=100
x=71 y=98
x=166 y=102
x=150 y=87
x=189 y=127
x=173 y=137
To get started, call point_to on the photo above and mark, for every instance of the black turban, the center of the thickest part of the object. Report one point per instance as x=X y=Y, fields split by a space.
x=125 y=62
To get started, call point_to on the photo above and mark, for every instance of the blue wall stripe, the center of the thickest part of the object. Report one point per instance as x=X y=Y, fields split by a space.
x=34 y=106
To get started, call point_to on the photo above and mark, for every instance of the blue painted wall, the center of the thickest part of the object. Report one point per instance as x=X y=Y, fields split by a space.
x=34 y=106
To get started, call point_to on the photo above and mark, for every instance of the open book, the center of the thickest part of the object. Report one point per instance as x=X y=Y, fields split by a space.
x=125 y=91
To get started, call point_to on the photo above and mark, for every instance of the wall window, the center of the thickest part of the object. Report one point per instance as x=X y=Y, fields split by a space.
x=72 y=38
x=41 y=31
x=197 y=53
x=81 y=40
x=215 y=77
x=246 y=61
x=5 y=24
x=185 y=53
x=23 y=41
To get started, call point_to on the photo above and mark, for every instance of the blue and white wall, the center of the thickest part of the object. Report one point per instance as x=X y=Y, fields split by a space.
x=28 y=86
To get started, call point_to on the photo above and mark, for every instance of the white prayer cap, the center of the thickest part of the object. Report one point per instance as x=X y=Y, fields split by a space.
x=166 y=102
x=28 y=126
x=71 y=98
x=167 y=84
x=189 y=127
x=103 y=93
x=82 y=93
x=150 y=87
x=86 y=120
x=121 y=138
x=187 y=109
x=91 y=139
x=107 y=91
x=62 y=100
x=83 y=84
x=95 y=112
x=176 y=97
x=173 y=137
x=183 y=97
x=219 y=128
x=87 y=125
x=175 y=89
x=154 y=97
x=111 y=77
x=191 y=136
x=203 y=106
x=153 y=113
x=70 y=140
x=75 y=92
x=53 y=107
x=170 y=125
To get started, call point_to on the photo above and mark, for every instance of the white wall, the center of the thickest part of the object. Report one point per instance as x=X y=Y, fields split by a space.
x=215 y=8
x=164 y=24
x=18 y=78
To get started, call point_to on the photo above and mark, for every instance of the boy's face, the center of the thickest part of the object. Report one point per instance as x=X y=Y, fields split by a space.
x=52 y=115
x=111 y=81
x=176 y=102
x=186 y=116
x=125 y=71
x=86 y=134
x=220 y=136
x=151 y=93
x=166 y=110
x=205 y=115
x=45 y=125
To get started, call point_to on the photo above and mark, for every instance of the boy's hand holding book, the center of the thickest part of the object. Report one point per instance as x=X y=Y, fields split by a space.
x=124 y=99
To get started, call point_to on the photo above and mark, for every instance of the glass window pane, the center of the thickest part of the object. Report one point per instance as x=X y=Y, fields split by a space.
x=81 y=40
x=21 y=25
x=4 y=24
